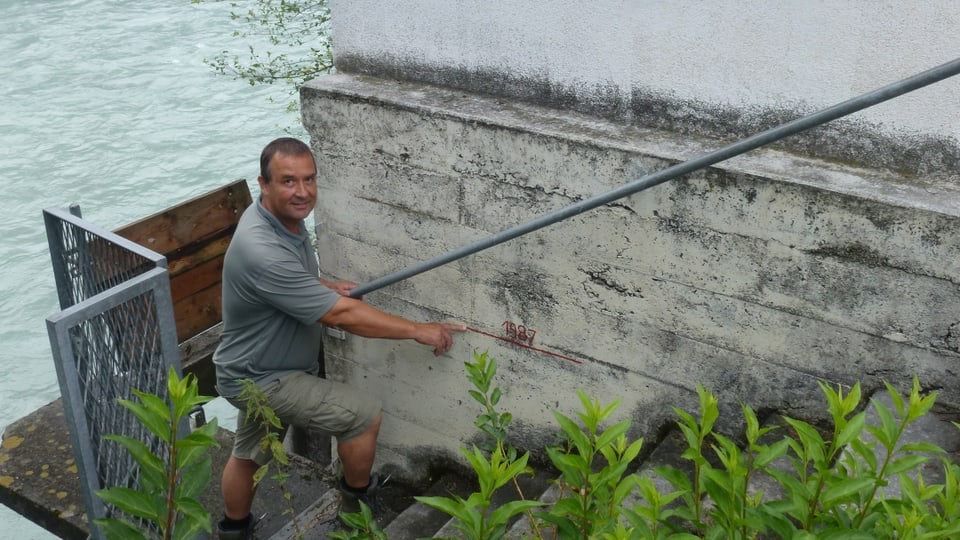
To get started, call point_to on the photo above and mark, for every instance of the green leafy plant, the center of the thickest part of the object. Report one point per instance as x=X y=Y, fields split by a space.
x=832 y=486
x=495 y=467
x=480 y=373
x=593 y=464
x=361 y=525
x=168 y=490
x=821 y=483
x=257 y=410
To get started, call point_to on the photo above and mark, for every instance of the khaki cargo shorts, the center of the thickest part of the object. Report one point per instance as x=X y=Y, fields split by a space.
x=308 y=402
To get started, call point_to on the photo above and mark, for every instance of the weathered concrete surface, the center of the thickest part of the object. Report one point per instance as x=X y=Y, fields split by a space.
x=38 y=474
x=757 y=277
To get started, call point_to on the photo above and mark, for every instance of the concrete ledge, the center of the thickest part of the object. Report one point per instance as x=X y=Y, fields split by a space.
x=38 y=475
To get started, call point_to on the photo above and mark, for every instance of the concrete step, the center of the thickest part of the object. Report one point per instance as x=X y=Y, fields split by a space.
x=419 y=520
x=315 y=522
x=414 y=520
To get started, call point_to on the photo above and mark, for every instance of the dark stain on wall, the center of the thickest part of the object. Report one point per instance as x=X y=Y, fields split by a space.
x=854 y=252
x=853 y=142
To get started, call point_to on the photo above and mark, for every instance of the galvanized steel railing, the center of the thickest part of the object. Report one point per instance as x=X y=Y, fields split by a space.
x=116 y=332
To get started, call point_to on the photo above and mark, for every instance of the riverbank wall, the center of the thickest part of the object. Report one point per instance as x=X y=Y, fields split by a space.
x=830 y=257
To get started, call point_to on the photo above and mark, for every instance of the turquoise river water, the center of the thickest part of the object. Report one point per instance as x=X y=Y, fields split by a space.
x=107 y=104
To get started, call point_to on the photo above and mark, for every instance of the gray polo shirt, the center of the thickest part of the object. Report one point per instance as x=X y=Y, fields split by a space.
x=272 y=300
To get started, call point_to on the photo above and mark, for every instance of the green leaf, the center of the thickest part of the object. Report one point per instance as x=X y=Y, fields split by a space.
x=573 y=433
x=156 y=404
x=452 y=507
x=709 y=409
x=158 y=424
x=195 y=479
x=134 y=502
x=887 y=432
x=118 y=529
x=513 y=470
x=204 y=435
x=753 y=425
x=565 y=527
x=261 y=472
x=503 y=513
x=478 y=397
x=152 y=470
x=905 y=463
x=922 y=447
x=194 y=511
x=813 y=444
x=771 y=453
x=609 y=409
x=612 y=433
x=852 y=430
x=571 y=465
x=678 y=479
x=632 y=451
x=840 y=491
x=189 y=455
x=188 y=529
x=852 y=400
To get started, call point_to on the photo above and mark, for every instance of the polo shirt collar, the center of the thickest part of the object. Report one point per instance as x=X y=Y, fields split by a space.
x=277 y=226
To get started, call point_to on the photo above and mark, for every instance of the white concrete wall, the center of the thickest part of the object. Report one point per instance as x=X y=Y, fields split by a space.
x=738 y=62
x=757 y=278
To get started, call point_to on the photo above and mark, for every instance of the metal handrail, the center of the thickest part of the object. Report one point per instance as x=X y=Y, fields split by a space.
x=792 y=127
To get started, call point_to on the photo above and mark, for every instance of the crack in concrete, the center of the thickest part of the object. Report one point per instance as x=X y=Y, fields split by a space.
x=601 y=278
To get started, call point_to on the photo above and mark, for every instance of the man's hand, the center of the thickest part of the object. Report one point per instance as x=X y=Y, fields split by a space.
x=342 y=288
x=437 y=335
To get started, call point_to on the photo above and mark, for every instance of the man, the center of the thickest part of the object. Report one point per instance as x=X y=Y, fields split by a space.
x=273 y=305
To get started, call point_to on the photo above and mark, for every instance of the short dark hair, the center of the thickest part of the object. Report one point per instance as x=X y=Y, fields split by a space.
x=283 y=145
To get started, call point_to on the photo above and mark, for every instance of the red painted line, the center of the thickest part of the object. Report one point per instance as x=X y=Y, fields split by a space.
x=525 y=346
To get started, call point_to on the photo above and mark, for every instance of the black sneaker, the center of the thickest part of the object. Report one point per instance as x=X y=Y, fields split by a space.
x=245 y=533
x=351 y=498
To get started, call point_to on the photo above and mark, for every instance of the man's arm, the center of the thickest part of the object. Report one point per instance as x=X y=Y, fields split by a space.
x=362 y=319
x=342 y=288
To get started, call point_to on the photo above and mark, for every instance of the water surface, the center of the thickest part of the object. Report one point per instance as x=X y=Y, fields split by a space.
x=107 y=104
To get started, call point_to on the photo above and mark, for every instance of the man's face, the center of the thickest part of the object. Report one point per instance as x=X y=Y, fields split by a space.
x=292 y=190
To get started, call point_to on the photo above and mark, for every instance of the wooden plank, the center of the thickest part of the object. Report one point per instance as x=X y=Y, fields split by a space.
x=194 y=220
x=194 y=237
x=196 y=354
x=198 y=312
x=182 y=261
x=196 y=279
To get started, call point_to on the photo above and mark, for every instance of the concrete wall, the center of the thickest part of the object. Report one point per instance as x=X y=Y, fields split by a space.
x=757 y=278
x=724 y=69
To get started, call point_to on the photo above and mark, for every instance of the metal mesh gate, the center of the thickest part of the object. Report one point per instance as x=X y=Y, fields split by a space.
x=116 y=332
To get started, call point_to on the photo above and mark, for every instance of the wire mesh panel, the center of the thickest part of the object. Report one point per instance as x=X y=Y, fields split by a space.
x=88 y=260
x=116 y=333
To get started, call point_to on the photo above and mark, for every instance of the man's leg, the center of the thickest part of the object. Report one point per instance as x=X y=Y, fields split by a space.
x=237 y=487
x=357 y=455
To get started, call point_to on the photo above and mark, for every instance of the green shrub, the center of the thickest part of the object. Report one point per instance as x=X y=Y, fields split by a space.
x=830 y=487
x=167 y=495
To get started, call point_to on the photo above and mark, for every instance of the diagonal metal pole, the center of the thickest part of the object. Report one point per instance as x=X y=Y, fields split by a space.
x=793 y=127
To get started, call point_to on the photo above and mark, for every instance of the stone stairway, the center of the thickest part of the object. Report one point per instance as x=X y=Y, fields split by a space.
x=406 y=519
